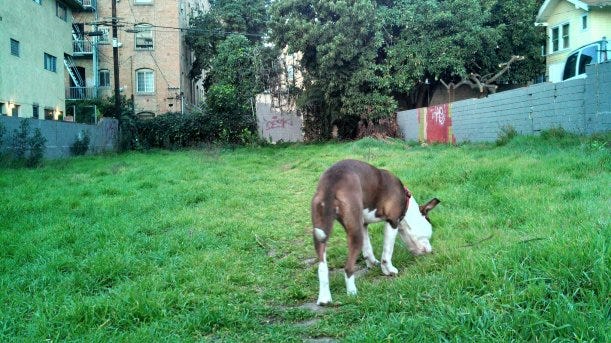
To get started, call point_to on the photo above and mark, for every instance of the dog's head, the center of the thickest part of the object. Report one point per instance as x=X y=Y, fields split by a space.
x=415 y=228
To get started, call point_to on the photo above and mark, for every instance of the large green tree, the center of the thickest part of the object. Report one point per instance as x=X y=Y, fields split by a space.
x=228 y=46
x=364 y=59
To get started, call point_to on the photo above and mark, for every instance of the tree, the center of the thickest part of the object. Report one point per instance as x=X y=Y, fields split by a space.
x=364 y=59
x=228 y=45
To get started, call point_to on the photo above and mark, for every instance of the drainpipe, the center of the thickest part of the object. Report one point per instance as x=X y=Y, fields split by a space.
x=96 y=81
x=603 y=49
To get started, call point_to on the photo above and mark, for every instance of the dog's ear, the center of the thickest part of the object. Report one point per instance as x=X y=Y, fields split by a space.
x=424 y=209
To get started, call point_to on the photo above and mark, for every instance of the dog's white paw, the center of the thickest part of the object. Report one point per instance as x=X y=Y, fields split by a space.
x=389 y=270
x=372 y=263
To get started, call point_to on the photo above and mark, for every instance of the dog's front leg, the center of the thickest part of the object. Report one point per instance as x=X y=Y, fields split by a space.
x=390 y=234
x=368 y=255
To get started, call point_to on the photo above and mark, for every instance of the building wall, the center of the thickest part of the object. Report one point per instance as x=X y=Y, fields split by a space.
x=170 y=59
x=581 y=106
x=24 y=80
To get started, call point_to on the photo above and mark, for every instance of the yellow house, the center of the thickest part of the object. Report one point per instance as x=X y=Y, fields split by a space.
x=571 y=24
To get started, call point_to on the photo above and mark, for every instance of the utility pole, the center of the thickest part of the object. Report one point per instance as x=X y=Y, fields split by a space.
x=115 y=60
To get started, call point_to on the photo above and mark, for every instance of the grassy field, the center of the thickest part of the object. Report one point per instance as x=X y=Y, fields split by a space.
x=215 y=245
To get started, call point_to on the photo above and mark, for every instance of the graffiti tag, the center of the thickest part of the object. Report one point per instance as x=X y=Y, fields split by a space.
x=277 y=122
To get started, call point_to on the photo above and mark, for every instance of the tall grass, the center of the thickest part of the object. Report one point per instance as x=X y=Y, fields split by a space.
x=216 y=245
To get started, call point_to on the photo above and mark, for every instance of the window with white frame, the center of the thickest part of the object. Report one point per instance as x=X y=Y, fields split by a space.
x=144 y=37
x=104 y=76
x=145 y=81
x=560 y=37
x=565 y=36
x=584 y=22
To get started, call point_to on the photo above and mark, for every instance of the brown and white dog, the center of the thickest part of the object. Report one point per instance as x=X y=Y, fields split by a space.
x=356 y=194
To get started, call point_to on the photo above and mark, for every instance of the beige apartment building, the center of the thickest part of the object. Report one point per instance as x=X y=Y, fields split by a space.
x=154 y=61
x=34 y=43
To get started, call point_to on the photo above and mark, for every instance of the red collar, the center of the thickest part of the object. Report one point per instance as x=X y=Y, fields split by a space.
x=408 y=195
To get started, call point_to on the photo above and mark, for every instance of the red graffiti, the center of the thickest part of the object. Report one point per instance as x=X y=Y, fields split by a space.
x=439 y=124
x=277 y=123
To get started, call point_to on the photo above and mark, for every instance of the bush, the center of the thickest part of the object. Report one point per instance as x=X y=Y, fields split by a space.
x=2 y=132
x=20 y=140
x=80 y=145
x=507 y=133
x=556 y=133
x=175 y=130
x=37 y=149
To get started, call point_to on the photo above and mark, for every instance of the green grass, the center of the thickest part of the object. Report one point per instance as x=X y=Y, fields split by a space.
x=215 y=245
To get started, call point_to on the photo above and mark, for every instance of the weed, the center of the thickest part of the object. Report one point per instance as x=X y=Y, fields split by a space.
x=81 y=144
x=506 y=134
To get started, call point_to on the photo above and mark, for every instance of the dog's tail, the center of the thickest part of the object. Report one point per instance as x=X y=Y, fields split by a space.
x=323 y=215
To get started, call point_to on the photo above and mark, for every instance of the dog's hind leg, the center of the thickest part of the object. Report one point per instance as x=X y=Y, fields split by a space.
x=322 y=219
x=353 y=223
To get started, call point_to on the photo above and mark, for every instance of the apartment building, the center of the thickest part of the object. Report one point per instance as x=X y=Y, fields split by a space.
x=35 y=38
x=154 y=61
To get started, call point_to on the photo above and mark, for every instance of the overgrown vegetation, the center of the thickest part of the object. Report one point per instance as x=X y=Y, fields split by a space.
x=362 y=60
x=215 y=245
x=506 y=134
x=26 y=149
x=81 y=144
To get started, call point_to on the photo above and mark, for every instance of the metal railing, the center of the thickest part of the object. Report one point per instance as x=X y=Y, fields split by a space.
x=82 y=47
x=81 y=93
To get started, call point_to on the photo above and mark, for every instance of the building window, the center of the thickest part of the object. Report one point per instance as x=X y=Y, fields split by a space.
x=61 y=11
x=560 y=37
x=49 y=113
x=2 y=109
x=14 y=47
x=105 y=37
x=145 y=81
x=104 y=78
x=565 y=36
x=35 y=110
x=50 y=62
x=144 y=37
x=584 y=22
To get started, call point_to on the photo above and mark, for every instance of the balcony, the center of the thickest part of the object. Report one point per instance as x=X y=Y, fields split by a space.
x=81 y=93
x=82 y=48
x=82 y=5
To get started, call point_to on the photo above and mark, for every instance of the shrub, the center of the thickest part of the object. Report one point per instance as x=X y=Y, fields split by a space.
x=37 y=149
x=175 y=130
x=81 y=144
x=555 y=133
x=20 y=140
x=506 y=134
x=2 y=132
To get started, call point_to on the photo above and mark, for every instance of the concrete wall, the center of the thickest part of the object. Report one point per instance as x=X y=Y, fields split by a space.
x=276 y=124
x=581 y=106
x=61 y=135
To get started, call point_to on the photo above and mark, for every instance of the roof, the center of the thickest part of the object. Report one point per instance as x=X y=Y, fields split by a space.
x=548 y=6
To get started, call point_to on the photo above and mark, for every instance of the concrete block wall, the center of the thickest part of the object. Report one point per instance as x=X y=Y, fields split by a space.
x=581 y=106
x=61 y=135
